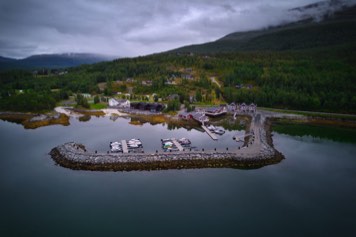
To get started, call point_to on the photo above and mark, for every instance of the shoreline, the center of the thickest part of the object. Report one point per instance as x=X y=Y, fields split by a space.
x=61 y=115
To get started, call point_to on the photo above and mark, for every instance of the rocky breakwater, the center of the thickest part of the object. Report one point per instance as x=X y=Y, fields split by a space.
x=75 y=156
x=257 y=153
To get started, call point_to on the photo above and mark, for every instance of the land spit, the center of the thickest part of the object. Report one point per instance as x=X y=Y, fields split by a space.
x=257 y=152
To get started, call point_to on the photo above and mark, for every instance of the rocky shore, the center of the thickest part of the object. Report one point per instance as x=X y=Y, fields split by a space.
x=32 y=121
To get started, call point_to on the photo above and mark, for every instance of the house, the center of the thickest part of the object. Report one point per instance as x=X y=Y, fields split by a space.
x=192 y=99
x=200 y=117
x=119 y=103
x=147 y=83
x=231 y=107
x=252 y=108
x=188 y=70
x=187 y=76
x=86 y=95
x=130 y=80
x=185 y=116
x=173 y=97
x=124 y=103
x=113 y=102
x=170 y=82
x=244 y=108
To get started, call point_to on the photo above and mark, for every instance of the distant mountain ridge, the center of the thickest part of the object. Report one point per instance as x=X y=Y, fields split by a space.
x=53 y=61
x=337 y=25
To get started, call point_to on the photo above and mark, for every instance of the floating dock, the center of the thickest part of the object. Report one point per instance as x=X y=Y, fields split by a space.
x=177 y=144
x=212 y=135
x=124 y=146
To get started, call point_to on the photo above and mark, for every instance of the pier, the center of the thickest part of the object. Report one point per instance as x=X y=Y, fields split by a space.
x=212 y=135
x=177 y=144
x=124 y=146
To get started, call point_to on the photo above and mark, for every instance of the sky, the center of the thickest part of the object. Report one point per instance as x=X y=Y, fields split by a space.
x=127 y=28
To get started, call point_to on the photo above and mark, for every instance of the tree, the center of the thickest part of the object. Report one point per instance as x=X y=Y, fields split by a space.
x=96 y=99
x=82 y=101
x=198 y=96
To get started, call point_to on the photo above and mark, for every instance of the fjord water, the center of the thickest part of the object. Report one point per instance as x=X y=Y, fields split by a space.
x=310 y=193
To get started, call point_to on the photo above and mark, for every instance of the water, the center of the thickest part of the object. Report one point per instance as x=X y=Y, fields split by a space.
x=310 y=193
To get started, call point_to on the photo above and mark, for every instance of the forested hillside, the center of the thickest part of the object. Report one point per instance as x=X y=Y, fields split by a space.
x=304 y=66
x=323 y=79
x=337 y=29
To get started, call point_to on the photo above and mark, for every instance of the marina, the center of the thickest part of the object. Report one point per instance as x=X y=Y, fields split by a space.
x=173 y=144
x=177 y=153
x=126 y=146
x=212 y=135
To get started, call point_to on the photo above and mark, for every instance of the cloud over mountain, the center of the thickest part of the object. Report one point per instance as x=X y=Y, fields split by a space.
x=130 y=28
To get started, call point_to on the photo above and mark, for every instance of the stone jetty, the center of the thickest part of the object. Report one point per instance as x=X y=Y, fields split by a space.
x=257 y=152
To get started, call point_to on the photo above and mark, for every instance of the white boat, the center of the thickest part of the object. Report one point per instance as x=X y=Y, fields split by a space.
x=219 y=131
x=211 y=127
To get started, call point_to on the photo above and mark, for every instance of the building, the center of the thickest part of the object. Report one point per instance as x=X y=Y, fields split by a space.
x=215 y=111
x=119 y=103
x=185 y=116
x=152 y=107
x=112 y=102
x=232 y=107
x=173 y=97
x=147 y=83
x=244 y=108
x=187 y=76
x=200 y=117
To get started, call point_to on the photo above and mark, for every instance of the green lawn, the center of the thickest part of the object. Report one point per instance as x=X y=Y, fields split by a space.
x=98 y=106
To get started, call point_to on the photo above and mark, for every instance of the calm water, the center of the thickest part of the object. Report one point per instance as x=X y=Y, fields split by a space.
x=311 y=193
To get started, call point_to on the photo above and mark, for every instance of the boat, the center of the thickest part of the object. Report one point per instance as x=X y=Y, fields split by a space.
x=184 y=141
x=219 y=131
x=211 y=127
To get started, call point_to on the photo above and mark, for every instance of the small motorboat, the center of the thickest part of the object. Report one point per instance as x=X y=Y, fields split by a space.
x=211 y=127
x=184 y=141
x=219 y=131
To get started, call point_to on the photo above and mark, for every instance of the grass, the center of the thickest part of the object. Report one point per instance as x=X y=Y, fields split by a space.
x=313 y=114
x=98 y=106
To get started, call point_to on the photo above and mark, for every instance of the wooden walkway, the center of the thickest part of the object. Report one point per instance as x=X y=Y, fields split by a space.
x=177 y=144
x=124 y=146
x=212 y=135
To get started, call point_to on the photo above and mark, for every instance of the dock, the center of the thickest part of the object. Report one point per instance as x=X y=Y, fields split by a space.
x=177 y=144
x=212 y=135
x=124 y=146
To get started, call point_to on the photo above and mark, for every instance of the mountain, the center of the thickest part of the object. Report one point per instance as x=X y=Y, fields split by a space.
x=6 y=60
x=322 y=24
x=53 y=61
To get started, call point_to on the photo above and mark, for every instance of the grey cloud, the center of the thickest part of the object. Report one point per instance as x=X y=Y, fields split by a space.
x=129 y=28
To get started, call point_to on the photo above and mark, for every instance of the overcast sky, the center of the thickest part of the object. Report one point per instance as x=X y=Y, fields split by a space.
x=129 y=27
